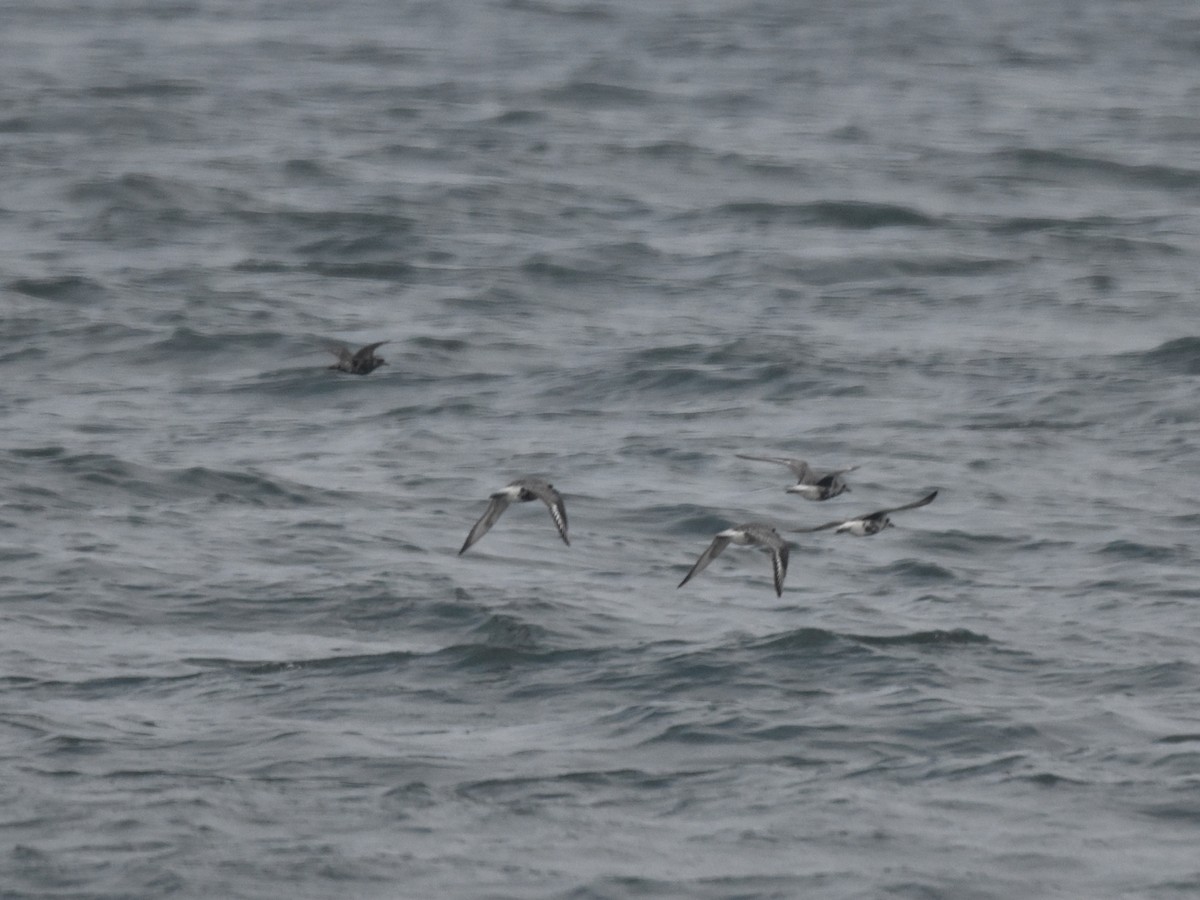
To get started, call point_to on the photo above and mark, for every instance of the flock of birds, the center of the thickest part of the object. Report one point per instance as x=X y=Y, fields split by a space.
x=810 y=484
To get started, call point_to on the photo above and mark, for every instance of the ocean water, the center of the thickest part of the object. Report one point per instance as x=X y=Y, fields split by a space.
x=613 y=244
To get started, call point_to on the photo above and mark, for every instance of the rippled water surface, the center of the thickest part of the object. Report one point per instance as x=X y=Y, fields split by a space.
x=612 y=244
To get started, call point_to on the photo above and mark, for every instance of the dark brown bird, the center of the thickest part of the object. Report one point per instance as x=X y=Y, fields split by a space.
x=361 y=362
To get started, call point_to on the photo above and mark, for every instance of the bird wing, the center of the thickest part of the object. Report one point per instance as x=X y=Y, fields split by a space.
x=779 y=561
x=769 y=538
x=367 y=352
x=718 y=544
x=499 y=503
x=924 y=501
x=554 y=502
x=833 y=524
x=839 y=471
x=798 y=466
x=342 y=353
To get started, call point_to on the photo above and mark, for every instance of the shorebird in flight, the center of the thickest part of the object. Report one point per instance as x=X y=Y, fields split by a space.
x=809 y=484
x=362 y=362
x=863 y=526
x=520 y=491
x=752 y=533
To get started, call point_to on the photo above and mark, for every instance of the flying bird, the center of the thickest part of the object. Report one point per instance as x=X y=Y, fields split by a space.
x=362 y=362
x=863 y=526
x=753 y=533
x=521 y=491
x=809 y=484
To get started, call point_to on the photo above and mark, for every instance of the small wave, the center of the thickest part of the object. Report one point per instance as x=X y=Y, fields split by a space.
x=348 y=664
x=490 y=657
x=1137 y=551
x=112 y=686
x=449 y=345
x=992 y=422
x=634 y=718
x=300 y=224
x=510 y=632
x=597 y=94
x=306 y=169
x=1180 y=356
x=967 y=542
x=186 y=341
x=102 y=470
x=676 y=150
x=408 y=799
x=1049 y=779
x=799 y=639
x=151 y=195
x=729 y=730
x=1180 y=814
x=519 y=117
x=1018 y=225
x=250 y=487
x=947 y=266
x=915 y=570
x=73 y=745
x=51 y=451
x=589 y=12
x=502 y=642
x=620 y=382
x=18 y=125
x=935 y=638
x=719 y=372
x=1061 y=163
x=392 y=271
x=849 y=214
x=685 y=518
x=684 y=153
x=353 y=246
x=523 y=789
x=164 y=88
x=1179 y=739
x=64 y=289
x=595 y=265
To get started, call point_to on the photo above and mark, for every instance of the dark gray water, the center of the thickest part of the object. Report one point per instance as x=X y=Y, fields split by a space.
x=612 y=244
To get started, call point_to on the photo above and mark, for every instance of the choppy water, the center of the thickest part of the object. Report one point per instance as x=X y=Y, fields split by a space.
x=612 y=243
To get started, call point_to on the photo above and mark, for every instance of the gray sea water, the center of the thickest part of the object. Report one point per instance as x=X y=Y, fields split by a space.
x=611 y=243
